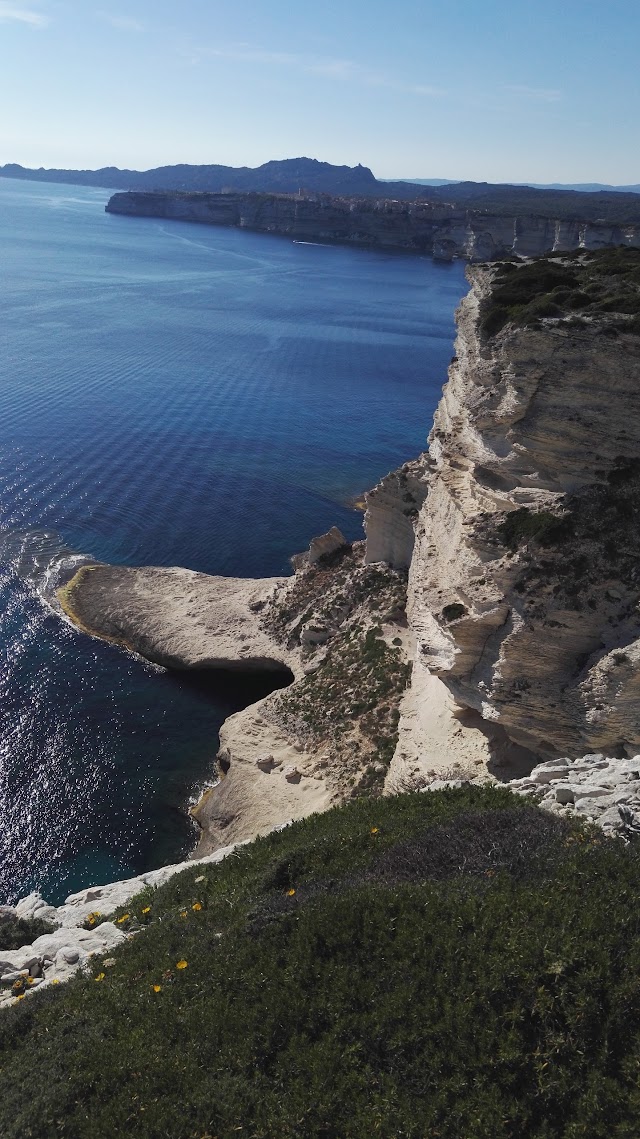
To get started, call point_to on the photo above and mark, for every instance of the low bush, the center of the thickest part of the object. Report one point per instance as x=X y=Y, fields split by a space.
x=523 y=525
x=440 y=965
x=454 y=611
x=595 y=283
x=16 y=932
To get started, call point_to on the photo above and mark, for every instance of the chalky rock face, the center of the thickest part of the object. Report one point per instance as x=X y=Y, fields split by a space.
x=175 y=617
x=326 y=544
x=536 y=632
x=440 y=229
x=393 y=506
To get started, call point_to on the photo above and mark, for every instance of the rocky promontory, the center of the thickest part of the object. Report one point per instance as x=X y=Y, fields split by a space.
x=511 y=653
x=440 y=229
x=335 y=633
x=524 y=584
x=519 y=532
x=519 y=632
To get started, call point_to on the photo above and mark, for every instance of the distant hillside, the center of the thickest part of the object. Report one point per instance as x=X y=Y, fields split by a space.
x=587 y=187
x=583 y=187
x=612 y=206
x=293 y=174
x=283 y=177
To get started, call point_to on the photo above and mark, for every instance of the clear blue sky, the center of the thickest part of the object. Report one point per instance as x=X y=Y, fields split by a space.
x=497 y=90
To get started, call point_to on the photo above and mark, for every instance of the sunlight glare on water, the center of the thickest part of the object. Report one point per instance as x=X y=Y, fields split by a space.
x=171 y=394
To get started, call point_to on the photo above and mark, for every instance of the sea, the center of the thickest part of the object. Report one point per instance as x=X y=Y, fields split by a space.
x=172 y=394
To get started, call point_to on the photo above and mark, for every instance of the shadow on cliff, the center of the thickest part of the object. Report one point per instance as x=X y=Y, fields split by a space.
x=230 y=689
x=508 y=760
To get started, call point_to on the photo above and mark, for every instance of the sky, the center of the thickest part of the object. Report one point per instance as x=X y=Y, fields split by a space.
x=491 y=90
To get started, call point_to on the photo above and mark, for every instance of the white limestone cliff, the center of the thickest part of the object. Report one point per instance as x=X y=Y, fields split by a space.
x=535 y=637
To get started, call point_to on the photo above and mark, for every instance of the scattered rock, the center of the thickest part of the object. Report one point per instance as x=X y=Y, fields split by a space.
x=71 y=956
x=593 y=786
x=564 y=794
x=326 y=544
x=58 y=955
x=314 y=633
x=546 y=772
x=265 y=762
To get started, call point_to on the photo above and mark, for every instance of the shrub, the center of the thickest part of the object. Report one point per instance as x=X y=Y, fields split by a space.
x=16 y=932
x=523 y=525
x=597 y=283
x=436 y=965
x=454 y=611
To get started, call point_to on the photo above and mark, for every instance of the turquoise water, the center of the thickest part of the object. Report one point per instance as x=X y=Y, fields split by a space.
x=171 y=394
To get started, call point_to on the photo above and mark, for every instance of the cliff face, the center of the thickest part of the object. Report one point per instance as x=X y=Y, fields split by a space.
x=442 y=230
x=525 y=578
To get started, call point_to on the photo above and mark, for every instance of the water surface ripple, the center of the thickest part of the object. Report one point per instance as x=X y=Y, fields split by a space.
x=171 y=394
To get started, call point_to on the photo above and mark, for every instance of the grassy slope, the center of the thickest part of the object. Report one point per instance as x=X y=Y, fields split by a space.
x=454 y=964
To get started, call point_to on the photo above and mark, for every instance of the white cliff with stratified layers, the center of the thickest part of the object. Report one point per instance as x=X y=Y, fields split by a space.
x=525 y=576
x=521 y=531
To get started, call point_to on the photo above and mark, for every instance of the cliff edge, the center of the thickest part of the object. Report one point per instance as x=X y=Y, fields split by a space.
x=444 y=230
x=519 y=629
x=524 y=579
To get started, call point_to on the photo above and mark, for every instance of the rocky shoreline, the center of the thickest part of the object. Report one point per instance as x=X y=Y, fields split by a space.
x=601 y=790
x=518 y=624
x=77 y=934
x=278 y=758
x=488 y=628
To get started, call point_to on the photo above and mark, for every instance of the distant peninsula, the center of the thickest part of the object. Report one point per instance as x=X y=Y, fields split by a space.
x=443 y=230
x=309 y=176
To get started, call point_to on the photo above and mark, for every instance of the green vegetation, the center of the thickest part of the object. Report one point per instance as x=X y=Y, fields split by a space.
x=454 y=611
x=448 y=964
x=594 y=540
x=522 y=525
x=346 y=708
x=355 y=692
x=612 y=207
x=16 y=932
x=331 y=591
x=591 y=284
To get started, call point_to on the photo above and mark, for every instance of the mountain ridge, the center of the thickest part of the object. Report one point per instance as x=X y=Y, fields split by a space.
x=291 y=175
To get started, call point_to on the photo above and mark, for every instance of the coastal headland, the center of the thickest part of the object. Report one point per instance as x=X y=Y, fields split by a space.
x=487 y=629
x=489 y=620
x=444 y=230
x=292 y=753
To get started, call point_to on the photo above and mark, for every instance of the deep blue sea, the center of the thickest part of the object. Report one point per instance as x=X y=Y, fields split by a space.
x=171 y=394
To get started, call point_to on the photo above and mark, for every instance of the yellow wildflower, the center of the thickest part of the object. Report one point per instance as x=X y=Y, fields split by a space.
x=374 y=830
x=55 y=981
x=157 y=988
x=100 y=977
x=290 y=893
x=181 y=964
x=183 y=913
x=196 y=906
x=21 y=997
x=146 y=910
x=125 y=917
